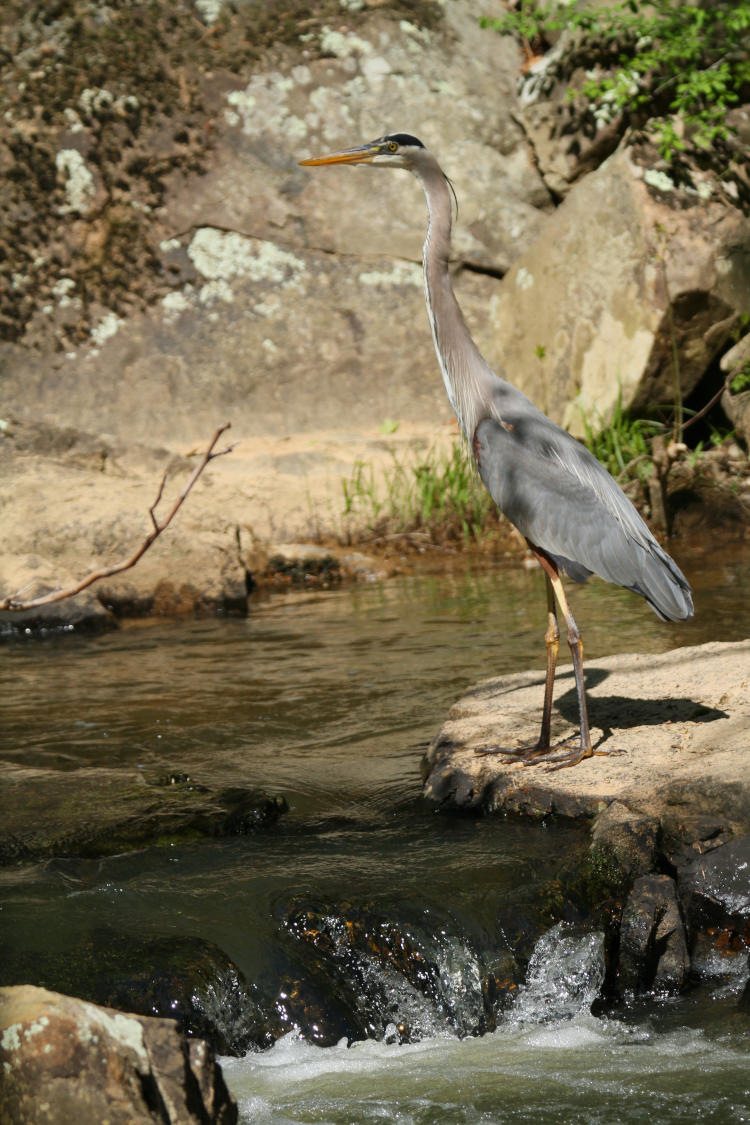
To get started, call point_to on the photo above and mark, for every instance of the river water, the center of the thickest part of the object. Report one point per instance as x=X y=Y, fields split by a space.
x=328 y=698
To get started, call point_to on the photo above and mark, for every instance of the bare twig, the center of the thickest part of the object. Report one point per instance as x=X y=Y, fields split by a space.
x=13 y=602
x=724 y=386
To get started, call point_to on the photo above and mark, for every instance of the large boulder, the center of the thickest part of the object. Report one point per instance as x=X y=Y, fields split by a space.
x=628 y=269
x=67 y=1060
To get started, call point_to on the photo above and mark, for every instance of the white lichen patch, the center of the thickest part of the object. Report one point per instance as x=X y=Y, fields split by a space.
x=375 y=68
x=74 y=122
x=78 y=180
x=262 y=108
x=411 y=29
x=524 y=279
x=36 y=1027
x=175 y=303
x=660 y=180
x=107 y=327
x=343 y=44
x=123 y=1029
x=213 y=291
x=329 y=111
x=95 y=100
x=62 y=290
x=402 y=273
x=224 y=255
x=209 y=10
x=169 y=244
x=11 y=1038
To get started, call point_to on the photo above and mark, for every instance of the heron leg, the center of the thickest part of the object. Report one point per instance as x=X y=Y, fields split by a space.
x=552 y=644
x=542 y=748
x=542 y=751
x=585 y=749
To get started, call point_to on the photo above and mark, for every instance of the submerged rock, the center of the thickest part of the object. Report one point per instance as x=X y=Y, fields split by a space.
x=181 y=978
x=68 y=1060
x=91 y=812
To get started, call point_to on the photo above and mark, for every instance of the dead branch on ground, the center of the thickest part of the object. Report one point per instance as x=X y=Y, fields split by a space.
x=13 y=601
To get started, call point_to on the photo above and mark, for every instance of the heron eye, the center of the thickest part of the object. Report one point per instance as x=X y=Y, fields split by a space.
x=392 y=146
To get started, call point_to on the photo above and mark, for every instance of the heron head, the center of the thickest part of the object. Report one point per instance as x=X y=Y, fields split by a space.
x=396 y=150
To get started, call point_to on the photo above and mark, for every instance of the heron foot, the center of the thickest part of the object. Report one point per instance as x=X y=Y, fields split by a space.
x=548 y=755
x=563 y=761
x=527 y=754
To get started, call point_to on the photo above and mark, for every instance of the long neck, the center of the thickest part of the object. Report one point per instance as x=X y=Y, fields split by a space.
x=467 y=377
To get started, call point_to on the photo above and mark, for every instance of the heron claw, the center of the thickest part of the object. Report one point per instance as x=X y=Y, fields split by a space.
x=547 y=755
x=564 y=760
x=528 y=755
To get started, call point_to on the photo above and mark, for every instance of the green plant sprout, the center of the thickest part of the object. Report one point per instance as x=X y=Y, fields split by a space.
x=623 y=445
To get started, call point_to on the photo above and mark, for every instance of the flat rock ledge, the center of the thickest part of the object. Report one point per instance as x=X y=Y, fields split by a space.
x=681 y=720
x=667 y=870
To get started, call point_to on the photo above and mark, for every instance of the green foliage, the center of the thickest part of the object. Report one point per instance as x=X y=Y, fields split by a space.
x=662 y=58
x=623 y=446
x=438 y=496
x=741 y=381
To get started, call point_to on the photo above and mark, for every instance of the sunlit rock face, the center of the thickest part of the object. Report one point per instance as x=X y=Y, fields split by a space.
x=67 y=1060
x=217 y=275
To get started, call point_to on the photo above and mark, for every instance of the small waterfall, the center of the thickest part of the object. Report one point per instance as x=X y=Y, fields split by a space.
x=404 y=980
x=564 y=977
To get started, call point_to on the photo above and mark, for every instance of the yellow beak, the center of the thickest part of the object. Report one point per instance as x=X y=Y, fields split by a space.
x=361 y=155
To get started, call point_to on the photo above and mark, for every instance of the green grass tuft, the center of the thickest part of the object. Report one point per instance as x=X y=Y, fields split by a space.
x=437 y=498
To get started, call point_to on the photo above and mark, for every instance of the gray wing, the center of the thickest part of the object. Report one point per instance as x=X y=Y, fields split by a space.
x=565 y=502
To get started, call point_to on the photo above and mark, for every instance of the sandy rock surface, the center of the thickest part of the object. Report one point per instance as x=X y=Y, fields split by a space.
x=681 y=720
x=76 y=502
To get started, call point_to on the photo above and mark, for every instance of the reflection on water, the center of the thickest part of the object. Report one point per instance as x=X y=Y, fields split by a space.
x=328 y=698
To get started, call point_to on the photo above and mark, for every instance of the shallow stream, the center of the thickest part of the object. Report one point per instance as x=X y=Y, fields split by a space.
x=328 y=698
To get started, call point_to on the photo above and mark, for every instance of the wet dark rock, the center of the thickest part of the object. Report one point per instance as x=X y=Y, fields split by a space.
x=84 y=614
x=714 y=885
x=181 y=978
x=313 y=1000
x=299 y=564
x=530 y=913
x=626 y=841
x=409 y=978
x=744 y=1001
x=653 y=947
x=68 y=1060
x=91 y=812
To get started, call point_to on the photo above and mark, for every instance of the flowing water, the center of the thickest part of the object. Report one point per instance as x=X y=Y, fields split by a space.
x=328 y=699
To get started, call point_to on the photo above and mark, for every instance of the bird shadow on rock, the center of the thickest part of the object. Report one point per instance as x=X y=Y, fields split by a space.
x=624 y=712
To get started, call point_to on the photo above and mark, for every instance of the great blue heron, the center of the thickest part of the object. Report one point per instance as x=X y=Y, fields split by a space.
x=573 y=515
